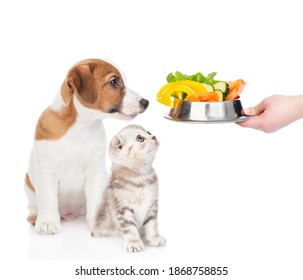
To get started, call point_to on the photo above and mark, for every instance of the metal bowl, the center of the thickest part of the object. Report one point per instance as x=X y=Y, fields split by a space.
x=206 y=112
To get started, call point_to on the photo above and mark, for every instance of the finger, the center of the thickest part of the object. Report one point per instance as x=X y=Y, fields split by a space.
x=249 y=111
x=253 y=122
x=254 y=111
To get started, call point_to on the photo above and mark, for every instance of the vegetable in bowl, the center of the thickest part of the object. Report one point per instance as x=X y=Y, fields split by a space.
x=198 y=88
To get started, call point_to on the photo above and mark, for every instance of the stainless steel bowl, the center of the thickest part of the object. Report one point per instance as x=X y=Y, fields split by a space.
x=206 y=112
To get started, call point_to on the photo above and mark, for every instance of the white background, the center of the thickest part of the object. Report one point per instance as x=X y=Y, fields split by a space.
x=229 y=196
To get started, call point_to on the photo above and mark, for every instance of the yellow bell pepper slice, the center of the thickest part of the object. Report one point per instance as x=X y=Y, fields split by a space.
x=189 y=87
x=165 y=97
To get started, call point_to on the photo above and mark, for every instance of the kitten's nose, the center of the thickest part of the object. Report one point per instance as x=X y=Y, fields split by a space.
x=144 y=103
x=154 y=138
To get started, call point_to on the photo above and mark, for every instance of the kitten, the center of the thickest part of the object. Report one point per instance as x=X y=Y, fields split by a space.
x=130 y=204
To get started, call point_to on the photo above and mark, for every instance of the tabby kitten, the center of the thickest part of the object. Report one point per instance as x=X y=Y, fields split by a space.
x=130 y=204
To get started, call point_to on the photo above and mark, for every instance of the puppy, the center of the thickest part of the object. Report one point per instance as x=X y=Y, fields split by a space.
x=66 y=174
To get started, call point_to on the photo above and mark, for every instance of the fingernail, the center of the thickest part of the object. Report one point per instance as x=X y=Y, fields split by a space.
x=248 y=111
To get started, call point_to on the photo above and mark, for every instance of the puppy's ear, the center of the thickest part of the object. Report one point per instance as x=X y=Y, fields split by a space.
x=80 y=80
x=116 y=143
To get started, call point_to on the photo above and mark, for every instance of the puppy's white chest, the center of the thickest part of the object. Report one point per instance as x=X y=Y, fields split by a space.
x=73 y=173
x=73 y=159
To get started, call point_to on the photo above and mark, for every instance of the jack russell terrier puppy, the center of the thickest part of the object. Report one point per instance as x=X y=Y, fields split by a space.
x=67 y=174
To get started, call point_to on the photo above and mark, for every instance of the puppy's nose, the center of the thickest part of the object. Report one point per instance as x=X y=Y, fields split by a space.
x=144 y=103
x=154 y=138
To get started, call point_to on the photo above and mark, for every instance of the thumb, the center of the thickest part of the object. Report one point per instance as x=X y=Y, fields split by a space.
x=254 y=111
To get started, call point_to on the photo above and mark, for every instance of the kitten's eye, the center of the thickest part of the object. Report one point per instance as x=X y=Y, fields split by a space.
x=149 y=133
x=140 y=138
x=114 y=82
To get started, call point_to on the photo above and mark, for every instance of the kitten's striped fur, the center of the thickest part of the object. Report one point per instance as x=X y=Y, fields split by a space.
x=130 y=205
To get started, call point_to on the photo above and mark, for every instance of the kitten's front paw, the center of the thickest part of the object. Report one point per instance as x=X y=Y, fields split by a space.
x=157 y=241
x=134 y=246
x=47 y=228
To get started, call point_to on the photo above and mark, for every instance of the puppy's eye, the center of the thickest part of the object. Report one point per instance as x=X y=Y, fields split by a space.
x=140 y=138
x=114 y=82
x=149 y=133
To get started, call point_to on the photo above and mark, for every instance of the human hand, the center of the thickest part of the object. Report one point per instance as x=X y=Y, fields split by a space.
x=274 y=112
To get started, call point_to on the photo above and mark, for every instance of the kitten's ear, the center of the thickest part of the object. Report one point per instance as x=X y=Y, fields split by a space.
x=117 y=143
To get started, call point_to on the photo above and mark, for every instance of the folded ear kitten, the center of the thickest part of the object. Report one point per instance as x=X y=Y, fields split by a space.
x=130 y=204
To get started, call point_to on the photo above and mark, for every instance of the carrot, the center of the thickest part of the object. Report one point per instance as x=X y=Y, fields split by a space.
x=192 y=98
x=203 y=97
x=235 y=88
x=208 y=97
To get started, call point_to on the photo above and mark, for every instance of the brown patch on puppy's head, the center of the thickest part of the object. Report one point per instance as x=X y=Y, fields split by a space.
x=97 y=84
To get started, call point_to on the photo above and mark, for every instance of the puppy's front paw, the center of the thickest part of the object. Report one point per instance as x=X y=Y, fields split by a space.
x=47 y=228
x=134 y=246
x=157 y=241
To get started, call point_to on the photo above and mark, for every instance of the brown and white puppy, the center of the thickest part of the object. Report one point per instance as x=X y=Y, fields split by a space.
x=67 y=174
